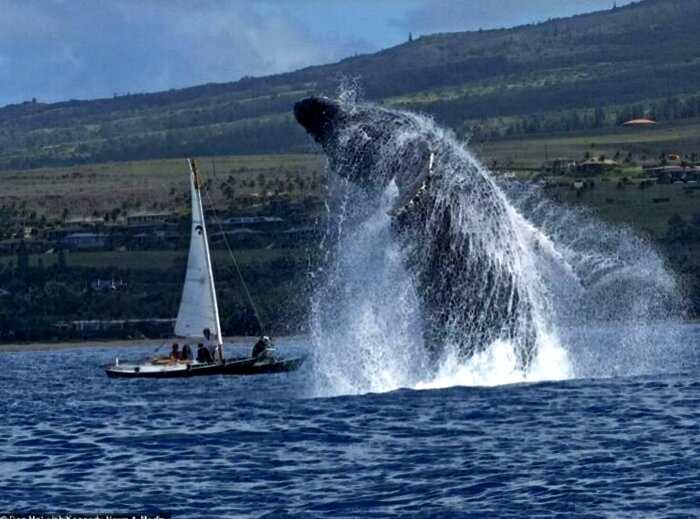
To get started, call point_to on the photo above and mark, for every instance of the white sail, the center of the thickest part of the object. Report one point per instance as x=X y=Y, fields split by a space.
x=198 y=307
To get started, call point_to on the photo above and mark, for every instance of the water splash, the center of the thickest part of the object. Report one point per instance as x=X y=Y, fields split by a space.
x=515 y=275
x=619 y=308
x=366 y=323
x=497 y=365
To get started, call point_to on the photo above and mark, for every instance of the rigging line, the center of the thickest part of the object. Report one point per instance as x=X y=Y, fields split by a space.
x=238 y=269
x=160 y=346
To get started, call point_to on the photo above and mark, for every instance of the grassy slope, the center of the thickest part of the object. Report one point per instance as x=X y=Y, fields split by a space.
x=530 y=151
x=647 y=210
x=152 y=185
x=160 y=184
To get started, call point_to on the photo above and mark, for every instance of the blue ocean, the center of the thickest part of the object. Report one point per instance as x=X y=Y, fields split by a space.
x=622 y=444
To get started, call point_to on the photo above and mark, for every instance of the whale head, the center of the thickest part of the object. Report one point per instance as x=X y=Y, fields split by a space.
x=368 y=144
x=319 y=116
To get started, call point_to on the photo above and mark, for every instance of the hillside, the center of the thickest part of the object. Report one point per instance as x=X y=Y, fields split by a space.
x=588 y=71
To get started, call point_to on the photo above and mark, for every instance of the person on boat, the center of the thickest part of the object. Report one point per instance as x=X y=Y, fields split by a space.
x=212 y=345
x=203 y=354
x=186 y=353
x=262 y=348
x=208 y=343
x=175 y=352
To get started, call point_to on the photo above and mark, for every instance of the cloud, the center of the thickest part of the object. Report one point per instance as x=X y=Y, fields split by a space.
x=449 y=16
x=93 y=48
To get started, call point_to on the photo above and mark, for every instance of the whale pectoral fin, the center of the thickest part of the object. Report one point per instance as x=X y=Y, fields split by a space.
x=405 y=199
x=410 y=193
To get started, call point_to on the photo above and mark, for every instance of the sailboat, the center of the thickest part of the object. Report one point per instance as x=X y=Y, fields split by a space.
x=198 y=318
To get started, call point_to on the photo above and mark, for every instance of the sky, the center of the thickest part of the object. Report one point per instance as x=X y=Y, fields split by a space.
x=55 y=50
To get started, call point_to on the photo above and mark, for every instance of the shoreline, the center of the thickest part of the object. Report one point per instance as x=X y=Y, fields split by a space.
x=238 y=340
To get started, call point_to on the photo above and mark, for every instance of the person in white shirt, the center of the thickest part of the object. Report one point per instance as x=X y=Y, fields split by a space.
x=212 y=344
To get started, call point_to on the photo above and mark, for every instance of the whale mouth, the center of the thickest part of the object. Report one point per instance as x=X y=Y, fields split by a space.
x=317 y=115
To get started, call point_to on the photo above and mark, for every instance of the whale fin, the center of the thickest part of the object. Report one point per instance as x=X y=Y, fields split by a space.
x=411 y=193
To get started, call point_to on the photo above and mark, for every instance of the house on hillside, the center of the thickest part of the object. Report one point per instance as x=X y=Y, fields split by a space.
x=639 y=123
x=245 y=221
x=595 y=167
x=257 y=223
x=559 y=166
x=85 y=241
x=108 y=285
x=675 y=173
x=153 y=238
x=15 y=245
x=85 y=221
x=148 y=218
x=57 y=235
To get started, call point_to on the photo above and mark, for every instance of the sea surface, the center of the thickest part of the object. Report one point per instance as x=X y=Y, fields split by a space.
x=624 y=445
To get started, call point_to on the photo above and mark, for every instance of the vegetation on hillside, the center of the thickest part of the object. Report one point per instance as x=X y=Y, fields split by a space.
x=556 y=89
x=42 y=295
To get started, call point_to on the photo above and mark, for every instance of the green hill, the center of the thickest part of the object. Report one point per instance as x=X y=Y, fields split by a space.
x=588 y=71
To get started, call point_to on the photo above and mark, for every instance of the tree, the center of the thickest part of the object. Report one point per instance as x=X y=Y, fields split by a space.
x=599 y=118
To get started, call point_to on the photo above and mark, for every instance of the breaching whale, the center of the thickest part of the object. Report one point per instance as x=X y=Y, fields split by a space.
x=468 y=262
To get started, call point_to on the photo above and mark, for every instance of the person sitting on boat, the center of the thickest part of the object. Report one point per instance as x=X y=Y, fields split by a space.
x=209 y=344
x=186 y=353
x=203 y=354
x=175 y=352
x=262 y=348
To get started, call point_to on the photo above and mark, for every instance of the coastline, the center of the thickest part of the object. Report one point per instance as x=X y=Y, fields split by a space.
x=238 y=340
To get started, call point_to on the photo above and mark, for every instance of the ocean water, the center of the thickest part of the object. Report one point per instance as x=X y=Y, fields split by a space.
x=623 y=443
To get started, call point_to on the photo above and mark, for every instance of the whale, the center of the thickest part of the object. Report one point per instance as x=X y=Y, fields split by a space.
x=459 y=237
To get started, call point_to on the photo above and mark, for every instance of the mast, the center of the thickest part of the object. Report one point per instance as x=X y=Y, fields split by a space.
x=198 y=308
x=196 y=186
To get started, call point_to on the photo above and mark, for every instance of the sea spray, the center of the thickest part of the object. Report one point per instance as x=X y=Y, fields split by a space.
x=510 y=285
x=497 y=365
x=366 y=323
x=622 y=315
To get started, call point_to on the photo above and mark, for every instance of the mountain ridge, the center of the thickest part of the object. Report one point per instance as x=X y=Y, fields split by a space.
x=571 y=67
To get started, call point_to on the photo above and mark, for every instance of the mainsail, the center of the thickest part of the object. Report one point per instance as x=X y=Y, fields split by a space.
x=198 y=307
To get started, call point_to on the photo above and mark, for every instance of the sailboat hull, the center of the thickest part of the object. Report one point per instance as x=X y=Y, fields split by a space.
x=246 y=366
